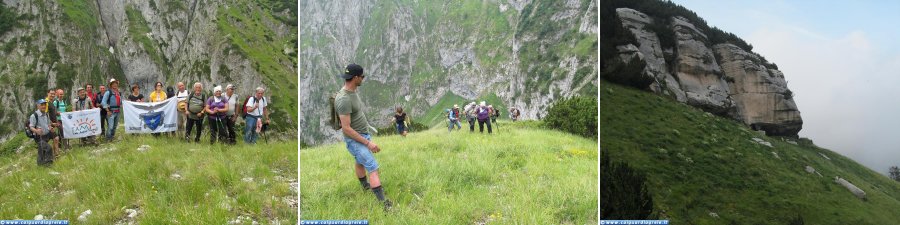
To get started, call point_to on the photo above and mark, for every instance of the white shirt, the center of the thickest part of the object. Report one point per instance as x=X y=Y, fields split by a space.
x=182 y=95
x=262 y=105
x=232 y=101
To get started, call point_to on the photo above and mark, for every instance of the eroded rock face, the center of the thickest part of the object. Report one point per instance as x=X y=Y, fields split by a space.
x=651 y=51
x=697 y=71
x=723 y=79
x=762 y=99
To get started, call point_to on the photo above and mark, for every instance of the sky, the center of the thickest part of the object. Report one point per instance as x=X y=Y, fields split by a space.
x=841 y=60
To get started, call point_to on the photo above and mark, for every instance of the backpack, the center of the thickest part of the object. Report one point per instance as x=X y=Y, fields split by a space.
x=483 y=113
x=335 y=120
x=109 y=103
x=244 y=107
x=28 y=132
x=188 y=102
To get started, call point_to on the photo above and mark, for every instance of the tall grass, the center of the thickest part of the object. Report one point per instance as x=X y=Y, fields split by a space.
x=215 y=185
x=519 y=175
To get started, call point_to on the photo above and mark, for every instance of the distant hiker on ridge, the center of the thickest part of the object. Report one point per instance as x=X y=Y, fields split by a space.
x=355 y=127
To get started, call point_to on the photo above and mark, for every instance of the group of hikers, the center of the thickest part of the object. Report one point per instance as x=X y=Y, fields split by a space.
x=44 y=125
x=483 y=113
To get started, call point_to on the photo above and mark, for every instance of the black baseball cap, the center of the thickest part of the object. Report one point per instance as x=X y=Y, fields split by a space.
x=352 y=71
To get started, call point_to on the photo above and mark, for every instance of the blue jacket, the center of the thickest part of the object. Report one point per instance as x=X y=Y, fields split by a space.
x=108 y=100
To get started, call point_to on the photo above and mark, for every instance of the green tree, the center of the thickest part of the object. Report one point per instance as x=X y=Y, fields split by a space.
x=624 y=192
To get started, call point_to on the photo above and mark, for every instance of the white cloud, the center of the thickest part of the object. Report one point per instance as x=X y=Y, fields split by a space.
x=846 y=89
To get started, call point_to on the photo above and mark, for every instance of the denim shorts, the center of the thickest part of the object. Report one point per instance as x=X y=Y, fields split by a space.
x=400 y=128
x=361 y=153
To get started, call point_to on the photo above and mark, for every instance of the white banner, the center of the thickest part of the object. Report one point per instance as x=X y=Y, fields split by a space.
x=81 y=124
x=145 y=117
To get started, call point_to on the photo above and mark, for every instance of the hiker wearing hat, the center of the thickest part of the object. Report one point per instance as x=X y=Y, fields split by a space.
x=230 y=116
x=112 y=102
x=84 y=102
x=355 y=128
x=39 y=124
x=195 y=103
x=181 y=96
x=453 y=117
x=483 y=113
x=216 y=107
x=469 y=111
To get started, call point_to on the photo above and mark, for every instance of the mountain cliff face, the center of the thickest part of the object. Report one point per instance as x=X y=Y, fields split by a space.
x=522 y=53
x=66 y=44
x=720 y=78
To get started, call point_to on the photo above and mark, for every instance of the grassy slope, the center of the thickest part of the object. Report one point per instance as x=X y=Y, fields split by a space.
x=244 y=26
x=738 y=179
x=114 y=177
x=518 y=175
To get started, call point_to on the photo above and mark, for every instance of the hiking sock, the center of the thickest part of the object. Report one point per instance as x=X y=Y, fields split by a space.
x=364 y=183
x=379 y=193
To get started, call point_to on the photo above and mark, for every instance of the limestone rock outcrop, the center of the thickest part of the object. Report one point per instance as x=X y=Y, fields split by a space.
x=720 y=78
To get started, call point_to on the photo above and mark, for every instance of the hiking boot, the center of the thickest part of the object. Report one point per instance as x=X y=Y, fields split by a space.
x=388 y=205
x=366 y=187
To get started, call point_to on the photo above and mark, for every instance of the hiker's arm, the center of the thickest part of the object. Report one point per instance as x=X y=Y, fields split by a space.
x=103 y=102
x=352 y=134
x=224 y=109
x=206 y=109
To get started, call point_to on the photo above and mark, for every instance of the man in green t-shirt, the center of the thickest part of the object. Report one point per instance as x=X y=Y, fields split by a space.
x=355 y=128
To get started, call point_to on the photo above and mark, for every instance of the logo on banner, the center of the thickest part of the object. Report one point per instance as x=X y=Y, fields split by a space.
x=84 y=125
x=152 y=119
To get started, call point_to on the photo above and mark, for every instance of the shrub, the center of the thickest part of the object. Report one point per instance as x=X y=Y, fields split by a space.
x=796 y=220
x=576 y=115
x=623 y=192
